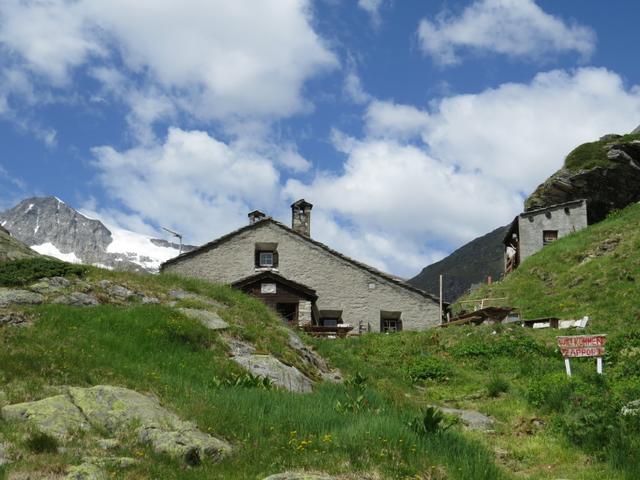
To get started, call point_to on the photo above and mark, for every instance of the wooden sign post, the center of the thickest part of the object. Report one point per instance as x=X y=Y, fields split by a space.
x=582 y=346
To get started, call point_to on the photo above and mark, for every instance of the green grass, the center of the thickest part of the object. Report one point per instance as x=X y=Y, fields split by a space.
x=156 y=350
x=593 y=154
x=595 y=273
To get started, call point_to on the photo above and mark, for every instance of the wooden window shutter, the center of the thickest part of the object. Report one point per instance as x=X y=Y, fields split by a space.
x=275 y=259
x=257 y=258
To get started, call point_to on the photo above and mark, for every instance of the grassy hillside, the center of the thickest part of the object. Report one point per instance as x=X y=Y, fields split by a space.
x=593 y=154
x=356 y=429
x=594 y=272
x=546 y=426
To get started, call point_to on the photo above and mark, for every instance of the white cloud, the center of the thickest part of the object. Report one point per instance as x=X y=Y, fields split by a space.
x=192 y=182
x=353 y=88
x=214 y=59
x=372 y=7
x=516 y=28
x=397 y=121
x=400 y=199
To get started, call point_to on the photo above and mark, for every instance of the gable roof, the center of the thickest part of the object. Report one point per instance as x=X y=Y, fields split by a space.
x=363 y=266
x=273 y=276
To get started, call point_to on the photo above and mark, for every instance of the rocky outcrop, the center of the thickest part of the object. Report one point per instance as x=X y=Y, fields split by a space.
x=114 y=411
x=19 y=297
x=606 y=173
x=209 y=319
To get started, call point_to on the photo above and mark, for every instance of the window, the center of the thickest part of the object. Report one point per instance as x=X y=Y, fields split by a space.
x=549 y=236
x=266 y=255
x=330 y=318
x=266 y=259
x=390 y=321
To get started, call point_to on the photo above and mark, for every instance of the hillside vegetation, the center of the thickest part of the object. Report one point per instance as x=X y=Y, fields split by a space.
x=380 y=423
x=354 y=430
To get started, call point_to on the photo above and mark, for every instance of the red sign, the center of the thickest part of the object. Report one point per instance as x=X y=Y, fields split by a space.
x=582 y=345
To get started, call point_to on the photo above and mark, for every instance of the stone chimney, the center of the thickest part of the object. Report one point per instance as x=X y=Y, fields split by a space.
x=256 y=216
x=301 y=217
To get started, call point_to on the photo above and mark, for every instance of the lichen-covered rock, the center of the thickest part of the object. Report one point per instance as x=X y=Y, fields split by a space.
x=312 y=359
x=19 y=297
x=77 y=299
x=185 y=442
x=211 y=320
x=285 y=376
x=15 y=319
x=117 y=410
x=50 y=285
x=57 y=415
x=298 y=476
x=86 y=471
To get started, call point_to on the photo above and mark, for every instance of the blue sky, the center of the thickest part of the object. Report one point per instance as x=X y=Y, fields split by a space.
x=412 y=126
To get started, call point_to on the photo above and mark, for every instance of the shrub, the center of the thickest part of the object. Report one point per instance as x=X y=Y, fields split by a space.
x=427 y=368
x=42 y=443
x=23 y=272
x=510 y=344
x=355 y=401
x=551 y=392
x=496 y=386
x=431 y=421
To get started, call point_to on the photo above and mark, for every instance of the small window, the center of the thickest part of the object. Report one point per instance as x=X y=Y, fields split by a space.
x=390 y=322
x=330 y=318
x=266 y=255
x=549 y=236
x=266 y=259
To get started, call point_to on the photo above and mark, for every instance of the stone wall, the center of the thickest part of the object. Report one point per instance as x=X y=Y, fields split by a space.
x=565 y=219
x=340 y=285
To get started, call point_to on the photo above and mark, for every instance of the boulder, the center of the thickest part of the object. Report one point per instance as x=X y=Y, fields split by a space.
x=15 y=319
x=115 y=411
x=86 y=471
x=471 y=419
x=56 y=416
x=312 y=359
x=77 y=299
x=211 y=320
x=19 y=297
x=267 y=366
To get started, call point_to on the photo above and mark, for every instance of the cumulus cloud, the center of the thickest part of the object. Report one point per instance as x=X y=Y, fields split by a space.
x=427 y=180
x=353 y=88
x=515 y=28
x=191 y=182
x=214 y=59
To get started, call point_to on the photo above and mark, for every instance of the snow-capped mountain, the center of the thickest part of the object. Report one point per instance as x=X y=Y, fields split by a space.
x=51 y=227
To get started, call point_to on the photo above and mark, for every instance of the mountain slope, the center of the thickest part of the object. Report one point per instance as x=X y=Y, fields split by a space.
x=469 y=264
x=12 y=249
x=53 y=228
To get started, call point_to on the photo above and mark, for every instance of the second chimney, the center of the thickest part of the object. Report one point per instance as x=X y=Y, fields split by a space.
x=256 y=216
x=301 y=217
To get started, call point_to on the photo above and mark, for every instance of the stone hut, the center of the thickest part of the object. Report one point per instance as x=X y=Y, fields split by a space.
x=532 y=230
x=306 y=281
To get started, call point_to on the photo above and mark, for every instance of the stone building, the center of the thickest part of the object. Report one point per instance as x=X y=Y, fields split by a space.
x=532 y=230
x=306 y=281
